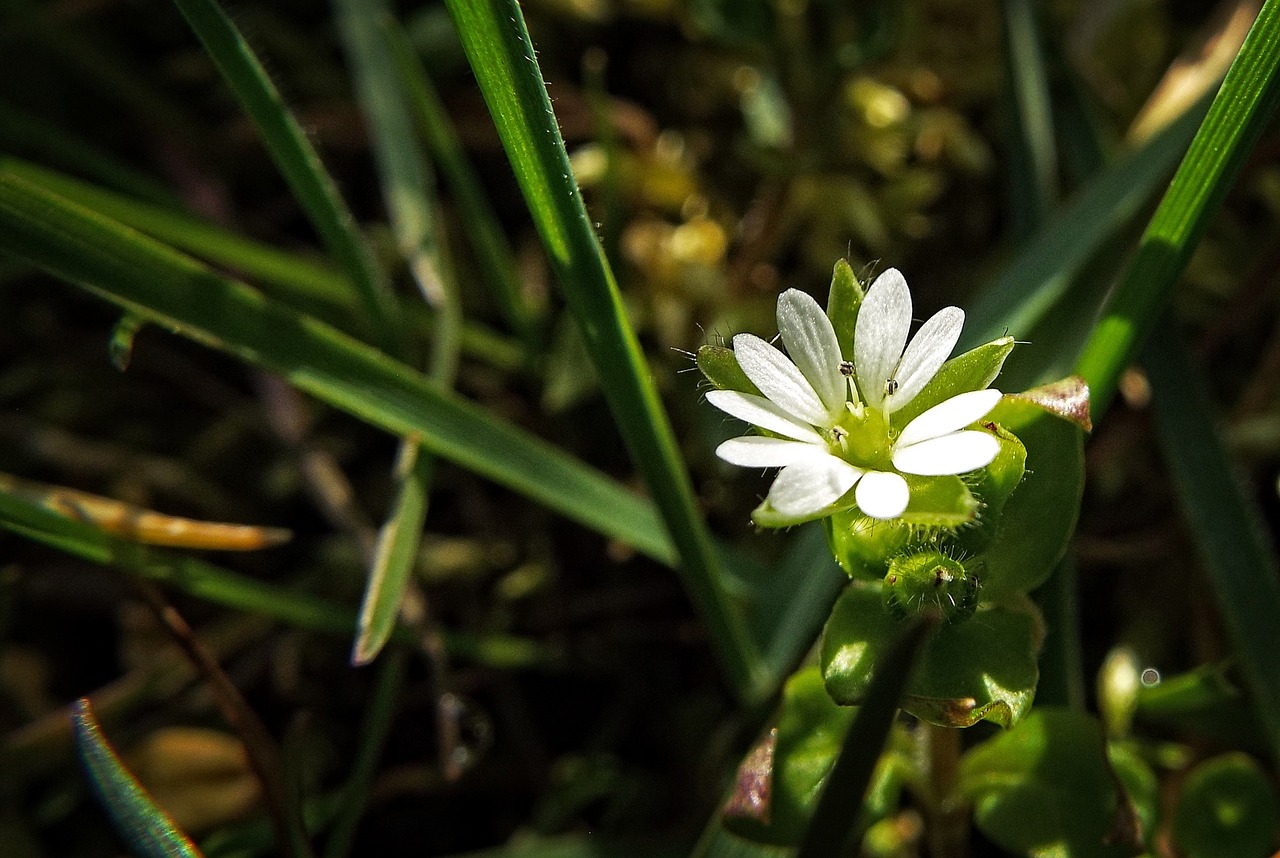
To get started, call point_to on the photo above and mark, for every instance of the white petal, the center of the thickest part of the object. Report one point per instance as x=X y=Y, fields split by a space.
x=929 y=350
x=957 y=453
x=881 y=333
x=811 y=485
x=949 y=415
x=811 y=342
x=882 y=495
x=757 y=451
x=778 y=378
x=759 y=411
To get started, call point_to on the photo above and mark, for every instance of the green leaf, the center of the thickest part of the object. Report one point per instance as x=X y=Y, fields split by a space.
x=982 y=668
x=1241 y=110
x=501 y=55
x=973 y=370
x=779 y=782
x=1039 y=517
x=297 y=161
x=147 y=829
x=1046 y=789
x=1227 y=808
x=1206 y=702
x=396 y=553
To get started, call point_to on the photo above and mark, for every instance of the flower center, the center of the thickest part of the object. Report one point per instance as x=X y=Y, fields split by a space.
x=862 y=439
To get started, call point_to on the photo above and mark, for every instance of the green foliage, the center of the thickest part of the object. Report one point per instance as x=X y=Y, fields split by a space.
x=1046 y=788
x=1227 y=806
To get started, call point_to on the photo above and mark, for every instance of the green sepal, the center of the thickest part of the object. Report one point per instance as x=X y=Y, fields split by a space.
x=1227 y=808
x=843 y=303
x=862 y=546
x=942 y=503
x=982 y=669
x=766 y=516
x=1038 y=519
x=993 y=486
x=1046 y=788
x=779 y=782
x=720 y=366
x=973 y=370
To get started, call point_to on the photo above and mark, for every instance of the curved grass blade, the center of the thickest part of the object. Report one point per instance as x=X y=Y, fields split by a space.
x=1236 y=118
x=1240 y=564
x=178 y=293
x=298 y=162
x=145 y=827
x=501 y=54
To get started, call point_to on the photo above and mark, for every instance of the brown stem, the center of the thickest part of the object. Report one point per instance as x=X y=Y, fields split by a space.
x=260 y=747
x=948 y=829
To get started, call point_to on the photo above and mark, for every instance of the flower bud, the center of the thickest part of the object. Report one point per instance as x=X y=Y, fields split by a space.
x=930 y=581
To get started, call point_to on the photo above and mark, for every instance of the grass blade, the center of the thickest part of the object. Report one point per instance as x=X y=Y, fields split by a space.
x=311 y=286
x=396 y=552
x=833 y=819
x=1045 y=267
x=1035 y=152
x=1239 y=112
x=1241 y=565
x=497 y=45
x=297 y=161
x=180 y=294
x=406 y=186
x=480 y=224
x=143 y=825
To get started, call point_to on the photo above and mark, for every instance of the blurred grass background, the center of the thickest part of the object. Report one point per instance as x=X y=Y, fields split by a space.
x=726 y=151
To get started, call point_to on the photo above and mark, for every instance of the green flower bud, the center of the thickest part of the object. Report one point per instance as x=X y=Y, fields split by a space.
x=930 y=581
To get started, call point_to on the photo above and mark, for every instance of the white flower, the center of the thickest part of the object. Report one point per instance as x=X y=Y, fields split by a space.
x=832 y=440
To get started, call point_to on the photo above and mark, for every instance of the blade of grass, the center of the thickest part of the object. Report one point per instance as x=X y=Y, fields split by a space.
x=1239 y=112
x=498 y=48
x=406 y=187
x=310 y=285
x=1044 y=269
x=22 y=132
x=480 y=224
x=396 y=552
x=1240 y=564
x=298 y=161
x=845 y=787
x=178 y=293
x=239 y=592
x=1035 y=173
x=142 y=824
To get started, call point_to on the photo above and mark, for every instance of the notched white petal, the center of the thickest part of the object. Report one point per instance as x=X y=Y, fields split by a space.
x=811 y=341
x=757 y=451
x=882 y=495
x=948 y=416
x=928 y=351
x=881 y=333
x=759 y=411
x=778 y=378
x=957 y=453
x=811 y=485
